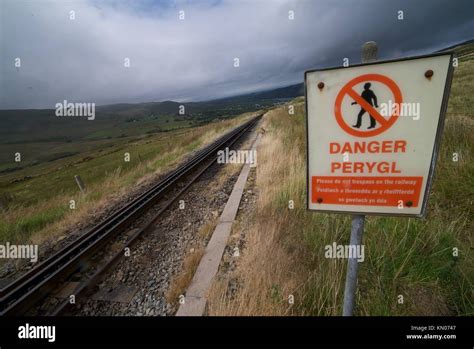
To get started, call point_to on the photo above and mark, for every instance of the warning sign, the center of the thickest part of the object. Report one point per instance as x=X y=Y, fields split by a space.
x=373 y=133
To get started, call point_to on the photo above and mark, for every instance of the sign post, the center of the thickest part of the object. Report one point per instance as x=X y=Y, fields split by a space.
x=369 y=54
x=357 y=230
x=378 y=157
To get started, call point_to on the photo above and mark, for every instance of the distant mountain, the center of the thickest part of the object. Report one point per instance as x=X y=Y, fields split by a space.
x=287 y=92
x=140 y=109
x=123 y=119
x=467 y=42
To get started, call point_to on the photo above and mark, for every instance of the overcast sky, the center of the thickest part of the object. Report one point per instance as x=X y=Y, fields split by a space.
x=193 y=59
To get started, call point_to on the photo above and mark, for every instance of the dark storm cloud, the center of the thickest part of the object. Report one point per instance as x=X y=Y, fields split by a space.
x=193 y=59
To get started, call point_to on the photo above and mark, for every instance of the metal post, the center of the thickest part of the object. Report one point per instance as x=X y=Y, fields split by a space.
x=80 y=183
x=369 y=54
x=357 y=230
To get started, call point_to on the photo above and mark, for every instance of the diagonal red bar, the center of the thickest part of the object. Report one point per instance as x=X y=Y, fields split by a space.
x=367 y=107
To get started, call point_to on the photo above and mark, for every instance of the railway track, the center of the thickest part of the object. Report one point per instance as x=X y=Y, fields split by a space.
x=36 y=284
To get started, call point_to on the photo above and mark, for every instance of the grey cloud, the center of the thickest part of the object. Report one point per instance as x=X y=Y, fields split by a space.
x=82 y=60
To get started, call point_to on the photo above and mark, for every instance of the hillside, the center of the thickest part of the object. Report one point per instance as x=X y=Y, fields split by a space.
x=283 y=93
x=34 y=201
x=40 y=136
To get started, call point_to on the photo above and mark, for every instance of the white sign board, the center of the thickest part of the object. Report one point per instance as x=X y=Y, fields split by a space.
x=373 y=134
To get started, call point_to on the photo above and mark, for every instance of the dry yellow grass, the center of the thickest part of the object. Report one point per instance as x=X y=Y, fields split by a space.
x=182 y=280
x=180 y=283
x=207 y=229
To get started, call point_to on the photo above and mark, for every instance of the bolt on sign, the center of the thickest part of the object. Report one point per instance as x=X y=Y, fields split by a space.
x=373 y=133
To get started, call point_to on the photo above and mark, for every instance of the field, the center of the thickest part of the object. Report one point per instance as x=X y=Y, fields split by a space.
x=40 y=136
x=412 y=266
x=36 y=199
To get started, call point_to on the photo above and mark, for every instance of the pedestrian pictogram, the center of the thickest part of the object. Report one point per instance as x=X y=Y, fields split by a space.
x=369 y=96
x=367 y=101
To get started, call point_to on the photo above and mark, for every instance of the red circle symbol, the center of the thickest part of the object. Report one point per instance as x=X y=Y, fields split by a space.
x=348 y=90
